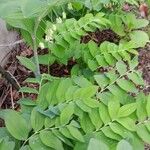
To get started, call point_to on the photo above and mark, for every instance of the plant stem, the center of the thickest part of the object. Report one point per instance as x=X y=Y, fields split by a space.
x=36 y=59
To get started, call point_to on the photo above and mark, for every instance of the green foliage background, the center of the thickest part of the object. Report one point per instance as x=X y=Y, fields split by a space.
x=87 y=110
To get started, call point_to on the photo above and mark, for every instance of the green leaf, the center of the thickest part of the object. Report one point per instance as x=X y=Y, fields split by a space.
x=64 y=131
x=140 y=38
x=75 y=70
x=86 y=123
x=4 y=133
x=126 y=110
x=121 y=67
x=44 y=59
x=28 y=90
x=16 y=125
x=127 y=85
x=83 y=106
x=128 y=123
x=82 y=82
x=51 y=112
x=62 y=87
x=141 y=105
x=49 y=139
x=6 y=12
x=143 y=133
x=51 y=92
x=37 y=120
x=87 y=92
x=35 y=8
x=110 y=142
x=93 y=103
x=7 y=145
x=116 y=21
x=102 y=80
x=118 y=129
x=75 y=133
x=124 y=145
x=95 y=118
x=58 y=134
x=133 y=63
x=101 y=61
x=136 y=78
x=23 y=23
x=148 y=106
x=113 y=108
x=110 y=134
x=118 y=92
x=147 y=124
x=93 y=48
x=104 y=97
x=112 y=76
x=36 y=144
x=28 y=63
x=109 y=59
x=97 y=145
x=69 y=93
x=67 y=113
x=140 y=23
x=93 y=65
x=25 y=148
x=27 y=102
x=27 y=37
x=104 y=114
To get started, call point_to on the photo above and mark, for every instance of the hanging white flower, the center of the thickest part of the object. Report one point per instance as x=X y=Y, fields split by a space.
x=70 y=6
x=54 y=27
x=41 y=45
x=48 y=38
x=50 y=32
x=58 y=20
x=64 y=15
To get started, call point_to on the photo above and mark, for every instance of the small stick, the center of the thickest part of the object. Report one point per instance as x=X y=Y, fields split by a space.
x=4 y=98
x=12 y=100
x=12 y=44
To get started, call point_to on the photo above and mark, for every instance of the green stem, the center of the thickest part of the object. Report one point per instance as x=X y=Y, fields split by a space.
x=36 y=60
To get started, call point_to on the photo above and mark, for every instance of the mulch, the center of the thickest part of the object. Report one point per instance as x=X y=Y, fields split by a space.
x=144 y=66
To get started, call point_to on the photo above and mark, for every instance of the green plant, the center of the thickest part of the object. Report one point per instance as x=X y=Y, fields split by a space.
x=98 y=5
x=28 y=16
x=74 y=113
x=89 y=109
x=66 y=35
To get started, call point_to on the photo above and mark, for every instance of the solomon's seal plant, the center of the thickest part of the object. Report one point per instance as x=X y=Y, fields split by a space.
x=104 y=110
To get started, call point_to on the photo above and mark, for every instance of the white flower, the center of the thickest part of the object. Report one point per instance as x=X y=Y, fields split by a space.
x=54 y=27
x=50 y=32
x=41 y=45
x=48 y=38
x=70 y=6
x=64 y=15
x=58 y=20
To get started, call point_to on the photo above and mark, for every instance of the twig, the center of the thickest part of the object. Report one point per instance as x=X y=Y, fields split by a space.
x=12 y=44
x=10 y=78
x=2 y=100
x=12 y=100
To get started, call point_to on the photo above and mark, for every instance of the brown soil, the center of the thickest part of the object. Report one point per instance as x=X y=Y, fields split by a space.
x=144 y=66
x=101 y=36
